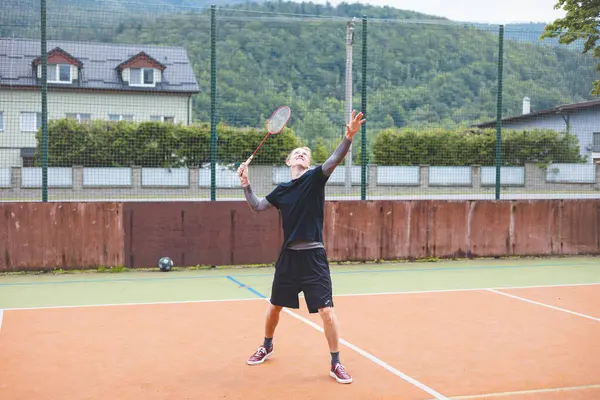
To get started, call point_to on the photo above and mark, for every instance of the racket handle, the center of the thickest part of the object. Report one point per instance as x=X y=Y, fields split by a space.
x=256 y=151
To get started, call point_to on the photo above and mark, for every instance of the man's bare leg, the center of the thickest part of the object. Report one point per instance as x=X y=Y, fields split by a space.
x=265 y=351
x=331 y=327
x=271 y=320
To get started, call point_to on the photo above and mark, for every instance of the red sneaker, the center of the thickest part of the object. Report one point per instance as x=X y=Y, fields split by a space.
x=339 y=373
x=260 y=356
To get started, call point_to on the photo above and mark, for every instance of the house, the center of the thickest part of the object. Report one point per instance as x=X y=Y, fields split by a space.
x=580 y=119
x=88 y=81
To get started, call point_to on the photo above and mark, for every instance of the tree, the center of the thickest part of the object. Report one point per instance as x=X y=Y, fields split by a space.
x=580 y=22
x=316 y=124
x=320 y=153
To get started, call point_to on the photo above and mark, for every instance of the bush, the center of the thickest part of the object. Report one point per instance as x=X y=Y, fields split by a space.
x=156 y=144
x=473 y=147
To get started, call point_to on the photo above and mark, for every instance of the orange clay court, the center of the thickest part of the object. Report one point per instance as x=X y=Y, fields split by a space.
x=480 y=329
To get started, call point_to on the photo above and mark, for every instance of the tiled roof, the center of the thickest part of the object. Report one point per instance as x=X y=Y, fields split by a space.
x=100 y=61
x=559 y=110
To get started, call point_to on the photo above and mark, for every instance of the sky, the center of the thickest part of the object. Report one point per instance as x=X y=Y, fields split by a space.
x=485 y=11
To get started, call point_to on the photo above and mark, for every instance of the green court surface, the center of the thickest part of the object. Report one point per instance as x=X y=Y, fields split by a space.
x=94 y=288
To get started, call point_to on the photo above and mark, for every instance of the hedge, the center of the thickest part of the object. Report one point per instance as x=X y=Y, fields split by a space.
x=156 y=144
x=473 y=147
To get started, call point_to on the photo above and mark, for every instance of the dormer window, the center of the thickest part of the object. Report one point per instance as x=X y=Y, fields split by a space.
x=59 y=73
x=141 y=77
x=62 y=67
x=141 y=70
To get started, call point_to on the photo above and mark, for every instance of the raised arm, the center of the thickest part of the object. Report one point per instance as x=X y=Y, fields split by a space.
x=256 y=204
x=340 y=152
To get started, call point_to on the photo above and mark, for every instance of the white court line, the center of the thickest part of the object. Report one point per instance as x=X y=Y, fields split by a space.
x=466 y=290
x=372 y=358
x=150 y=303
x=317 y=327
x=337 y=295
x=544 y=305
x=346 y=343
x=1 y=317
x=532 y=391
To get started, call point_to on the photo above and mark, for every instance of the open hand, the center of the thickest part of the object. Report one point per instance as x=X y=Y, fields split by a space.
x=354 y=125
x=243 y=174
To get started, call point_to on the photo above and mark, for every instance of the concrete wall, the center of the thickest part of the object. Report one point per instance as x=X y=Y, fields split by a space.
x=127 y=184
x=36 y=236
x=99 y=105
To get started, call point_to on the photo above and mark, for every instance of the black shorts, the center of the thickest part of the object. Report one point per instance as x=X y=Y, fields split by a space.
x=302 y=271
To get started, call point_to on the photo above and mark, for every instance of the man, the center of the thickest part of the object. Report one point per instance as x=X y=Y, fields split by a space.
x=302 y=265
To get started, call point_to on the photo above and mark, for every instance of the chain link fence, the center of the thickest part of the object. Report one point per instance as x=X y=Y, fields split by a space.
x=118 y=100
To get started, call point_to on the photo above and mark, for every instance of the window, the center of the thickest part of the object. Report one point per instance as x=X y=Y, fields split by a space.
x=141 y=77
x=31 y=121
x=28 y=156
x=162 y=118
x=148 y=76
x=120 y=117
x=59 y=73
x=1 y=121
x=79 y=117
x=64 y=73
x=596 y=142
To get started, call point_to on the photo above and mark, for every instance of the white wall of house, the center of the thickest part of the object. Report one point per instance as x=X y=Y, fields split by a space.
x=18 y=128
x=583 y=124
x=10 y=157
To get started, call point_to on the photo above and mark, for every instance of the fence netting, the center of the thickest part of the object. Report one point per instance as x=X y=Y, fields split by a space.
x=549 y=119
x=431 y=83
x=266 y=60
x=148 y=101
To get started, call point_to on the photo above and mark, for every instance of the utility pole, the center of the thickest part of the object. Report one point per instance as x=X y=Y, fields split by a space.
x=348 y=106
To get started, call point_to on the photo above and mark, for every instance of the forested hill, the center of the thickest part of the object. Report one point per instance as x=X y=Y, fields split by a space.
x=421 y=70
x=417 y=73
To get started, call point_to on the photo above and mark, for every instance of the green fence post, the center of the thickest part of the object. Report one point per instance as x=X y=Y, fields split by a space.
x=213 y=103
x=363 y=161
x=499 y=110
x=44 y=103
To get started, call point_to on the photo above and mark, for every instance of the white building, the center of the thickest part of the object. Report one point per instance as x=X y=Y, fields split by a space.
x=580 y=119
x=87 y=81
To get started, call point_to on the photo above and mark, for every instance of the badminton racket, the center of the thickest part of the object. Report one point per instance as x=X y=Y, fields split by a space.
x=275 y=124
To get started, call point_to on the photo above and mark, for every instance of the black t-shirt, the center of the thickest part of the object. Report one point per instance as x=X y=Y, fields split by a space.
x=301 y=203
